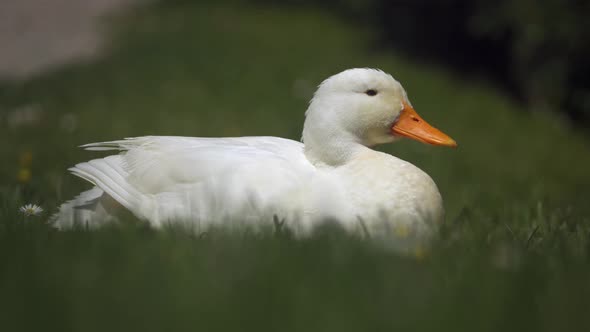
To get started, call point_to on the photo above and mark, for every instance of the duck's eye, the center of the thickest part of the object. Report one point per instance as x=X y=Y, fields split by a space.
x=371 y=92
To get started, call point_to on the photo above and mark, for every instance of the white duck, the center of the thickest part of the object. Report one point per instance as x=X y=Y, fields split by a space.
x=333 y=174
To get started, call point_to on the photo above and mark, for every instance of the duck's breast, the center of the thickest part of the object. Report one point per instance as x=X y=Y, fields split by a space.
x=383 y=189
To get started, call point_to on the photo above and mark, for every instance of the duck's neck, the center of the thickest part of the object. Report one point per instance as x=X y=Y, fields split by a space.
x=326 y=144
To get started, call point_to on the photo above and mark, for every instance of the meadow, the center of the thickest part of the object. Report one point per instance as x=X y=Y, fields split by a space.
x=514 y=253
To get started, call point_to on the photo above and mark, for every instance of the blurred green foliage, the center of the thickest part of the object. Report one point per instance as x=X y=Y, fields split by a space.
x=549 y=45
x=538 y=51
x=514 y=254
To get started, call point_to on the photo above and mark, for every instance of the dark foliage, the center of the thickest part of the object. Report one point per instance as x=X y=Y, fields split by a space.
x=537 y=51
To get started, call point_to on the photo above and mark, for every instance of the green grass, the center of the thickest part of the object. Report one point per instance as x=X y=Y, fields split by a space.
x=513 y=255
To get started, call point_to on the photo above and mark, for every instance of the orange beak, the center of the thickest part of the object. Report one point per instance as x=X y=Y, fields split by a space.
x=411 y=125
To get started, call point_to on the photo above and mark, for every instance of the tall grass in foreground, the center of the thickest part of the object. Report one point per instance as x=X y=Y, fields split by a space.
x=131 y=277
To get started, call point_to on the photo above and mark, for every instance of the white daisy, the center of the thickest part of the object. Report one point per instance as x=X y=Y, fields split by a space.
x=31 y=210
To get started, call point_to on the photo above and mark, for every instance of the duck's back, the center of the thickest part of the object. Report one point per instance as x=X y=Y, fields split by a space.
x=203 y=180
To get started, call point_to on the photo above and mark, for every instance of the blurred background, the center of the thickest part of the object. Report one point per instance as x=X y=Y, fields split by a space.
x=508 y=80
x=537 y=53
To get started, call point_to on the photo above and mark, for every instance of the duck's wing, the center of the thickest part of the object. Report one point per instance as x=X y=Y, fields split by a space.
x=162 y=178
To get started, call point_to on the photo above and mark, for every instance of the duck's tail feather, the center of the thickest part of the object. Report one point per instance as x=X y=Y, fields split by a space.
x=121 y=145
x=91 y=209
x=96 y=206
x=109 y=175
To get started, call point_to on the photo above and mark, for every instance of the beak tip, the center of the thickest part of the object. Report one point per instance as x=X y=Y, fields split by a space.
x=449 y=142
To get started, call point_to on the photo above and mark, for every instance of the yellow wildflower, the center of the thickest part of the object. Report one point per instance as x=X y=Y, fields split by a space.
x=23 y=175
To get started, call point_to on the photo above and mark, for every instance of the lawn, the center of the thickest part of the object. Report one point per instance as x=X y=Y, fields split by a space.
x=514 y=253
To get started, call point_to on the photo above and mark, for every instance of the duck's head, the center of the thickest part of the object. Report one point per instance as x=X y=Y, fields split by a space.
x=367 y=107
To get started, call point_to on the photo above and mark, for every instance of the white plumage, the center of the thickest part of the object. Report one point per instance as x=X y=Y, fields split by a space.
x=248 y=180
